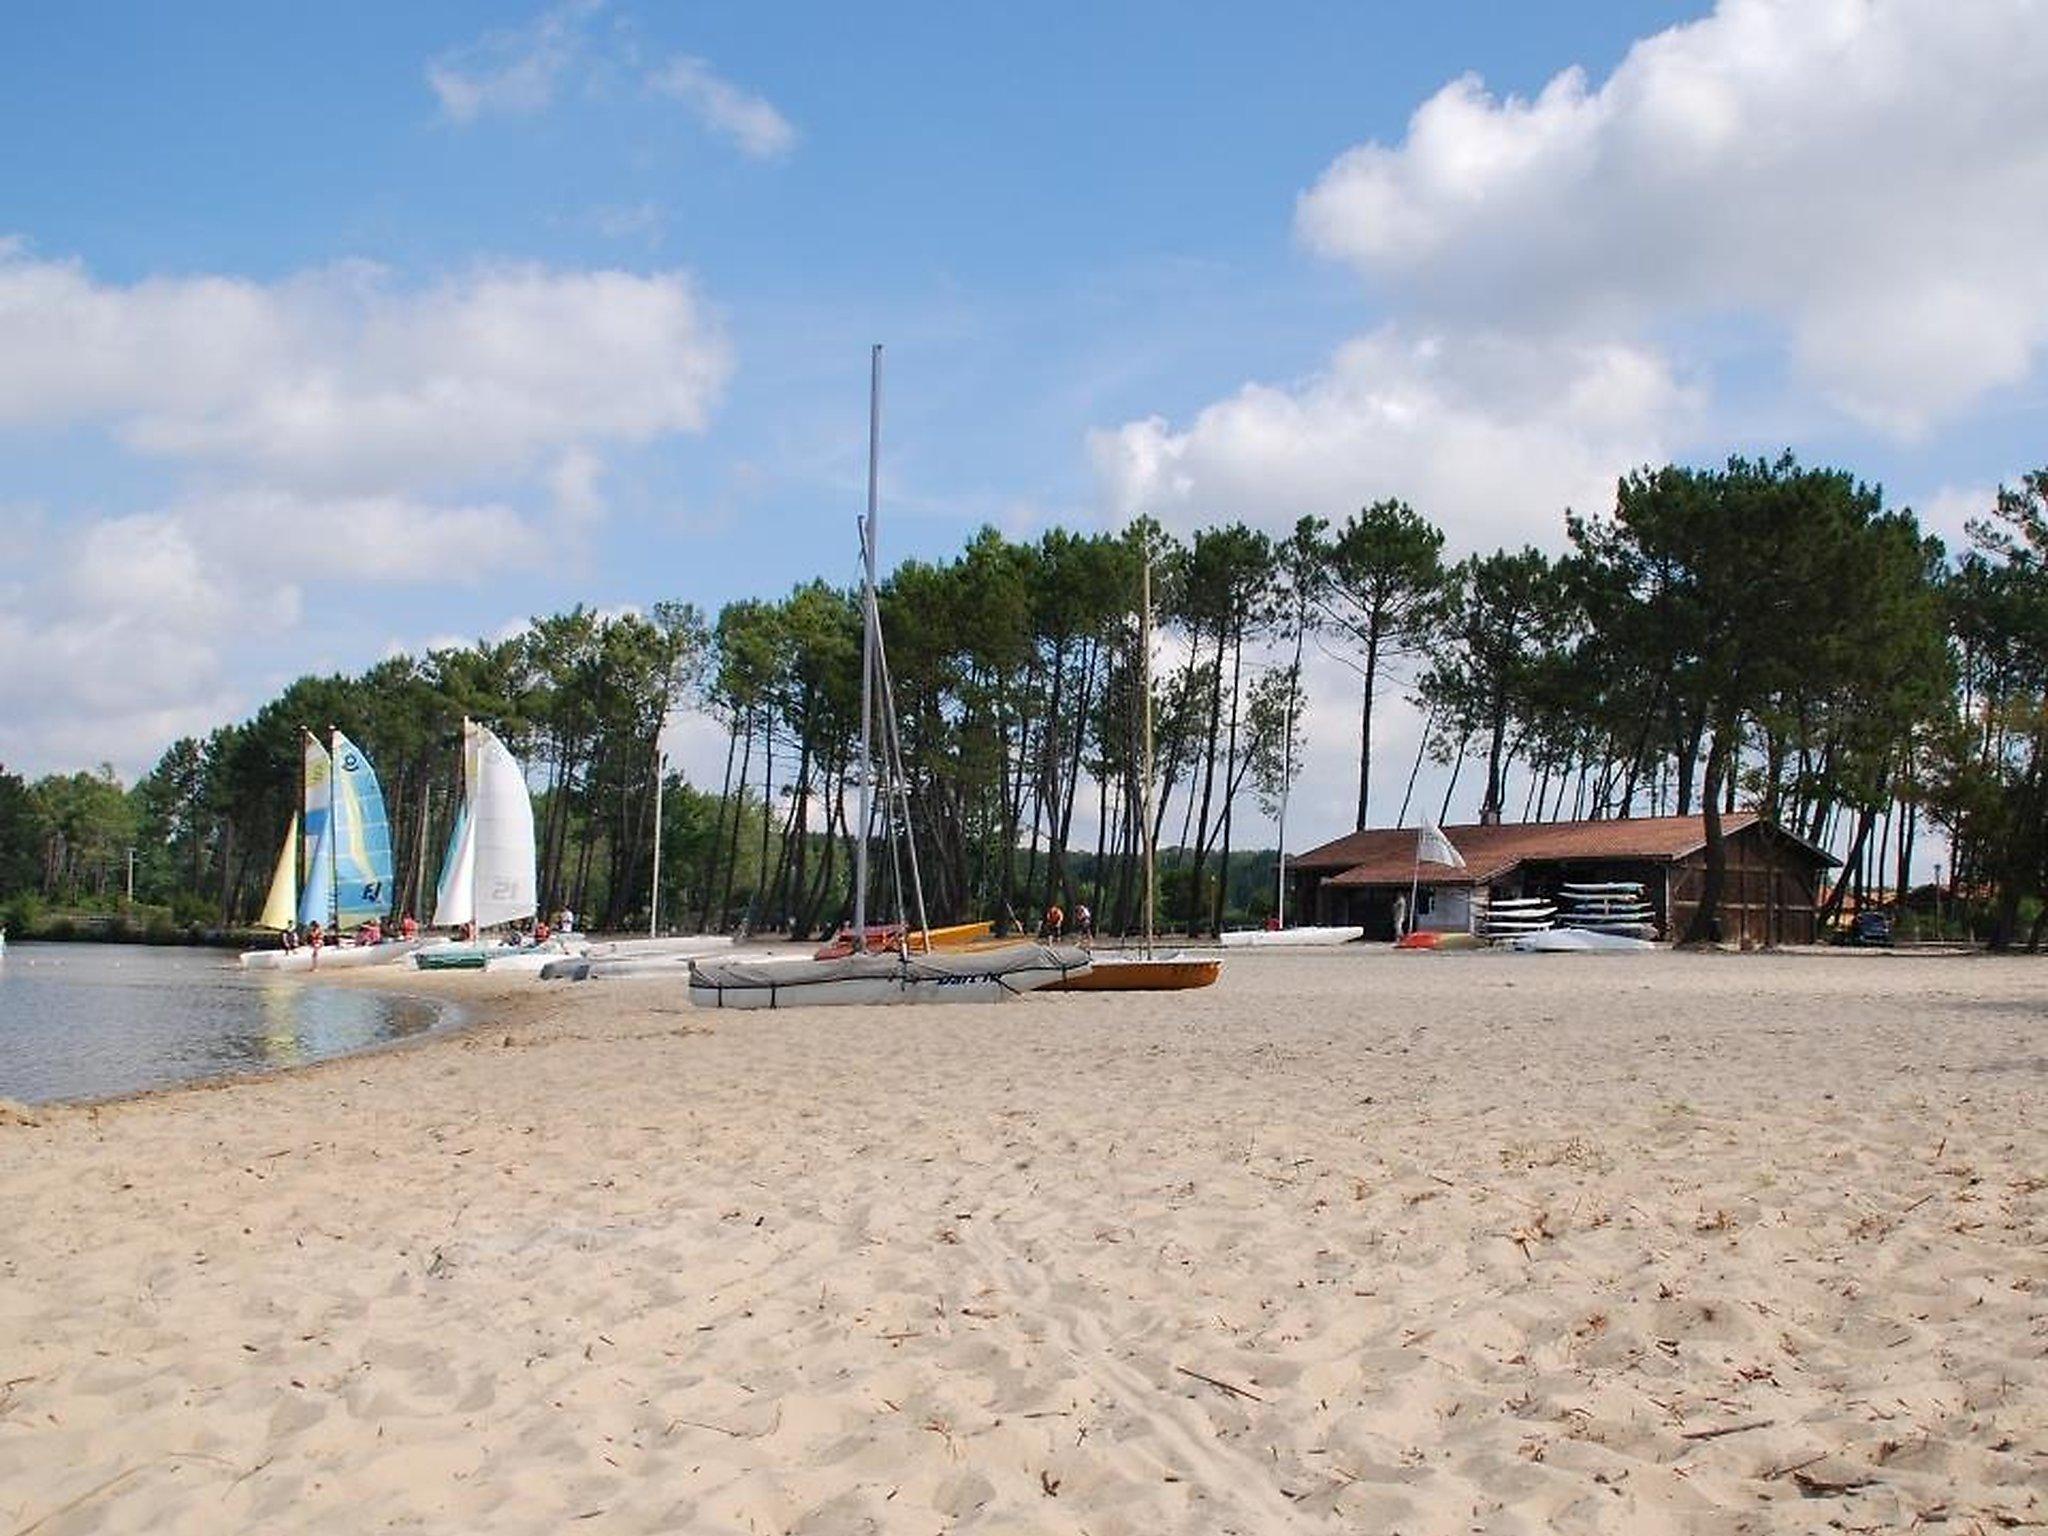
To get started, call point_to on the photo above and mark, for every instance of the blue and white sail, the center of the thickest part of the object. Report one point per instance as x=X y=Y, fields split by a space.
x=316 y=845
x=361 y=834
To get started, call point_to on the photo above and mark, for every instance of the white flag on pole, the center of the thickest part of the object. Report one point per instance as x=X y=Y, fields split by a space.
x=1433 y=847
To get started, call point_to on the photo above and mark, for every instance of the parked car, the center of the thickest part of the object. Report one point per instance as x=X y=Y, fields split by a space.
x=1871 y=930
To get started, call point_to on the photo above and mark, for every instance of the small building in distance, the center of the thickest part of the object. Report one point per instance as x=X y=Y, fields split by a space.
x=1772 y=894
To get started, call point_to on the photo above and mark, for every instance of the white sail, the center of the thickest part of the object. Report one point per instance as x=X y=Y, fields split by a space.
x=501 y=819
x=488 y=876
x=453 y=903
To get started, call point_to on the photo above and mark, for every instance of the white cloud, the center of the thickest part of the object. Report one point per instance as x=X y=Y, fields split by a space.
x=137 y=629
x=1869 y=176
x=128 y=625
x=520 y=71
x=750 y=121
x=406 y=436
x=573 y=484
x=341 y=379
x=515 y=71
x=1489 y=434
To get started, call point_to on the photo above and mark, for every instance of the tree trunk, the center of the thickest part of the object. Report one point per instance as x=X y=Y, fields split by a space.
x=1372 y=667
x=1706 y=918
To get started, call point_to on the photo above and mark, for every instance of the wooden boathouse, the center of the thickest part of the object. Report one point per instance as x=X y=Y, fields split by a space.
x=1771 y=896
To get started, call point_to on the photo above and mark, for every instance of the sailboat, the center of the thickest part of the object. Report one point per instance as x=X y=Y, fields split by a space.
x=914 y=971
x=488 y=877
x=334 y=868
x=1145 y=972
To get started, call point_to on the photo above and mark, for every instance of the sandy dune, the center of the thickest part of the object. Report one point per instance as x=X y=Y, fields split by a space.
x=1352 y=1241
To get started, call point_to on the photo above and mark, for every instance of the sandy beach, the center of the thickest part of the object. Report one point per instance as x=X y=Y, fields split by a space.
x=1352 y=1241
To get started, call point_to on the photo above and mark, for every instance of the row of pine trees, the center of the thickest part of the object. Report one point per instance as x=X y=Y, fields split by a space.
x=1759 y=634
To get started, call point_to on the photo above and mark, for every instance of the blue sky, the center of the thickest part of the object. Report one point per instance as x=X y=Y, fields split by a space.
x=328 y=329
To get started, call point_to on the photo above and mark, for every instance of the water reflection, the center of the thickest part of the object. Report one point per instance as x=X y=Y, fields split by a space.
x=88 y=1020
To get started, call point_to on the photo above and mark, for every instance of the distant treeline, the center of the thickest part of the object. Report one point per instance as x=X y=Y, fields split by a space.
x=1759 y=634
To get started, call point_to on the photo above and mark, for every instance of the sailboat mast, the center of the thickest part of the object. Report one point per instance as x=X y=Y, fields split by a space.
x=333 y=863
x=867 y=655
x=1145 y=762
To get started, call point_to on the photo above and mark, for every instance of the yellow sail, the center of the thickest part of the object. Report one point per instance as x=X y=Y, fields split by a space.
x=281 y=906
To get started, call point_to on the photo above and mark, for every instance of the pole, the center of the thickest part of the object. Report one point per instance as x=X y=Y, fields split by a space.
x=1287 y=771
x=1145 y=764
x=131 y=877
x=654 y=893
x=1414 y=886
x=419 y=863
x=867 y=655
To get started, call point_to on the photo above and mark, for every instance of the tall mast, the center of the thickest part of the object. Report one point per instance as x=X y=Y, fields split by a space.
x=1145 y=764
x=334 y=861
x=867 y=655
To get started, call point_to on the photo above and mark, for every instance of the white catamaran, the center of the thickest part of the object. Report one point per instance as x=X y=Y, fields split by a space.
x=867 y=975
x=335 y=866
x=489 y=875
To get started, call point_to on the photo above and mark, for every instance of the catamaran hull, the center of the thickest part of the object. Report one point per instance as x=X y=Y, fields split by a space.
x=1565 y=941
x=668 y=962
x=992 y=976
x=673 y=947
x=1282 y=938
x=495 y=957
x=329 y=957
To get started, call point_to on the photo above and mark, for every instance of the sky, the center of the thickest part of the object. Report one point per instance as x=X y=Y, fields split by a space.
x=332 y=331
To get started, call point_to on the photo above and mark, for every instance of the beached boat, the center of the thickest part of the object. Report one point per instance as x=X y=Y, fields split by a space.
x=1286 y=938
x=991 y=976
x=488 y=875
x=495 y=957
x=671 y=961
x=917 y=941
x=334 y=957
x=1143 y=973
x=1560 y=941
x=1432 y=940
x=673 y=946
x=866 y=976
x=335 y=866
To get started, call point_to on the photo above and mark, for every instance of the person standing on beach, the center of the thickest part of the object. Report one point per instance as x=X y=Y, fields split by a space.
x=1084 y=925
x=1400 y=916
x=1055 y=922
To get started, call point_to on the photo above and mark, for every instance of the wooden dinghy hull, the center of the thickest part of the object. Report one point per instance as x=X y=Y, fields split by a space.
x=1171 y=973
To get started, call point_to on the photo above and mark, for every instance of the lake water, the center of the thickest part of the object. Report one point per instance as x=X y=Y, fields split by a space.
x=82 y=1021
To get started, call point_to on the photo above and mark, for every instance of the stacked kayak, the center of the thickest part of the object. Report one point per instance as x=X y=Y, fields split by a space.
x=1618 y=908
x=1513 y=917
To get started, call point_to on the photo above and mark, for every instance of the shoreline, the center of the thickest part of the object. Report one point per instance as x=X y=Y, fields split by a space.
x=1592 y=1243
